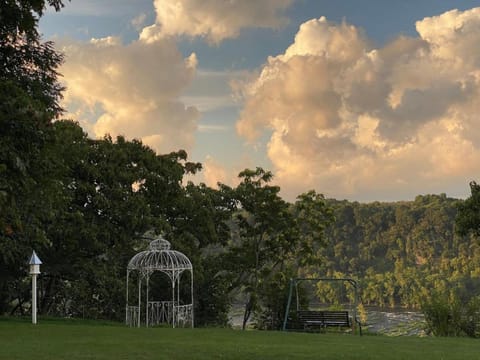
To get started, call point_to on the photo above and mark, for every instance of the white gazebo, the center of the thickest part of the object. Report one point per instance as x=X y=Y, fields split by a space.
x=159 y=257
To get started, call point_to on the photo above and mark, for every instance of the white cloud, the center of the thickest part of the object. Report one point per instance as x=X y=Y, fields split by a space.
x=133 y=90
x=351 y=120
x=213 y=128
x=214 y=20
x=213 y=172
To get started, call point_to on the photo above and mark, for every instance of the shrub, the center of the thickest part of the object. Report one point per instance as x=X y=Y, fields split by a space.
x=452 y=317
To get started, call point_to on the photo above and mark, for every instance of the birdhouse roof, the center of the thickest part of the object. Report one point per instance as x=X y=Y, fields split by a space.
x=34 y=259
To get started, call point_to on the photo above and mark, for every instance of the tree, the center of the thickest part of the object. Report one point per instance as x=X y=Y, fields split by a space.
x=312 y=217
x=270 y=239
x=29 y=96
x=21 y=16
x=25 y=60
x=261 y=226
x=113 y=191
x=468 y=217
x=101 y=197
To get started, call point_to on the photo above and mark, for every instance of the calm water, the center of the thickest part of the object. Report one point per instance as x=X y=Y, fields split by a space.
x=395 y=322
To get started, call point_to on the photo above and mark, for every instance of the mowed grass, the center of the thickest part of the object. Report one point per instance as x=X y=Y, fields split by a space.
x=74 y=339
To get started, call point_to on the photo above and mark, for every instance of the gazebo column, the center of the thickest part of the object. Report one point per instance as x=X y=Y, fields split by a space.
x=173 y=301
x=139 y=297
x=191 y=293
x=146 y=311
x=178 y=293
x=126 y=307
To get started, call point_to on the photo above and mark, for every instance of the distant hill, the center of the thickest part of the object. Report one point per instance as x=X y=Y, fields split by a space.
x=400 y=252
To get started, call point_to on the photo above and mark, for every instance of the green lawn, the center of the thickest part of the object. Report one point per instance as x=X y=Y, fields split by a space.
x=64 y=339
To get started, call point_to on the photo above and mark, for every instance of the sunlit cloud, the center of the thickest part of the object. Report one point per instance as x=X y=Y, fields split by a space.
x=213 y=128
x=214 y=20
x=351 y=120
x=214 y=172
x=131 y=90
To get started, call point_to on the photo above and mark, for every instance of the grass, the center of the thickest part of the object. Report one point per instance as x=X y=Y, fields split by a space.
x=75 y=339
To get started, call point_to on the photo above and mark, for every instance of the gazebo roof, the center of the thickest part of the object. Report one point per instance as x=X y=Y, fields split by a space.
x=159 y=257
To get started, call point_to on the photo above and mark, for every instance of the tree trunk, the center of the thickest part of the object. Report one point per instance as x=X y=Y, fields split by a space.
x=248 y=311
x=46 y=302
x=18 y=306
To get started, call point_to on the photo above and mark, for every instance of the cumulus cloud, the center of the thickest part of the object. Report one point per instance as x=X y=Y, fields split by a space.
x=133 y=90
x=351 y=120
x=214 y=20
x=213 y=172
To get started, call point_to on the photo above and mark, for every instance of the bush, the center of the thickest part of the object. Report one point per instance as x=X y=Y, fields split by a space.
x=452 y=317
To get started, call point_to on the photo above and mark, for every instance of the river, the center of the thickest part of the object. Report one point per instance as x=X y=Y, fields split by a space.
x=395 y=322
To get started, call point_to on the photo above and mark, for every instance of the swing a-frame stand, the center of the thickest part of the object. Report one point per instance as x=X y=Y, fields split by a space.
x=311 y=320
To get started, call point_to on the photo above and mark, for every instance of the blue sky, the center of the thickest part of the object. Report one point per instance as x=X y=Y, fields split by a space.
x=364 y=100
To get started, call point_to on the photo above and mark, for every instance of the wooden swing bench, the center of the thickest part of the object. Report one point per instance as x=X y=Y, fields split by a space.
x=311 y=320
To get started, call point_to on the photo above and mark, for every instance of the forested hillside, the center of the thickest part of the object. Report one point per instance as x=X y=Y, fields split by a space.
x=401 y=253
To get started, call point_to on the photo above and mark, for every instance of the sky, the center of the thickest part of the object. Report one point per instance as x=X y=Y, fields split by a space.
x=365 y=100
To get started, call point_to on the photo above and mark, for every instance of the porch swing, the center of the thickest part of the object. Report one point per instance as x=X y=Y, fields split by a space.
x=319 y=318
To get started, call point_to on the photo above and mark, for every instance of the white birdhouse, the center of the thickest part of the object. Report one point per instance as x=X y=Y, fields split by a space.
x=34 y=263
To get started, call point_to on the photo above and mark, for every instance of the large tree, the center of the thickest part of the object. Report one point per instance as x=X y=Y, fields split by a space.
x=111 y=192
x=24 y=59
x=29 y=101
x=271 y=239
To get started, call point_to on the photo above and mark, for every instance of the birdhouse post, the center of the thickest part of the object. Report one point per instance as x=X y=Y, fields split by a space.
x=34 y=263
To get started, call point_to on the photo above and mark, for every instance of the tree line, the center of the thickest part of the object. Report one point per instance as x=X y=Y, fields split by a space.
x=402 y=253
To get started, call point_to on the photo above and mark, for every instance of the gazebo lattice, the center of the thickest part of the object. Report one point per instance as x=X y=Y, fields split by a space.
x=159 y=257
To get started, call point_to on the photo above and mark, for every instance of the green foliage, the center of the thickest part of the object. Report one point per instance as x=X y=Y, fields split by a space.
x=21 y=16
x=29 y=96
x=400 y=252
x=273 y=295
x=468 y=218
x=212 y=295
x=24 y=178
x=99 y=198
x=114 y=191
x=271 y=238
x=262 y=235
x=27 y=61
x=442 y=317
x=450 y=316
x=312 y=216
